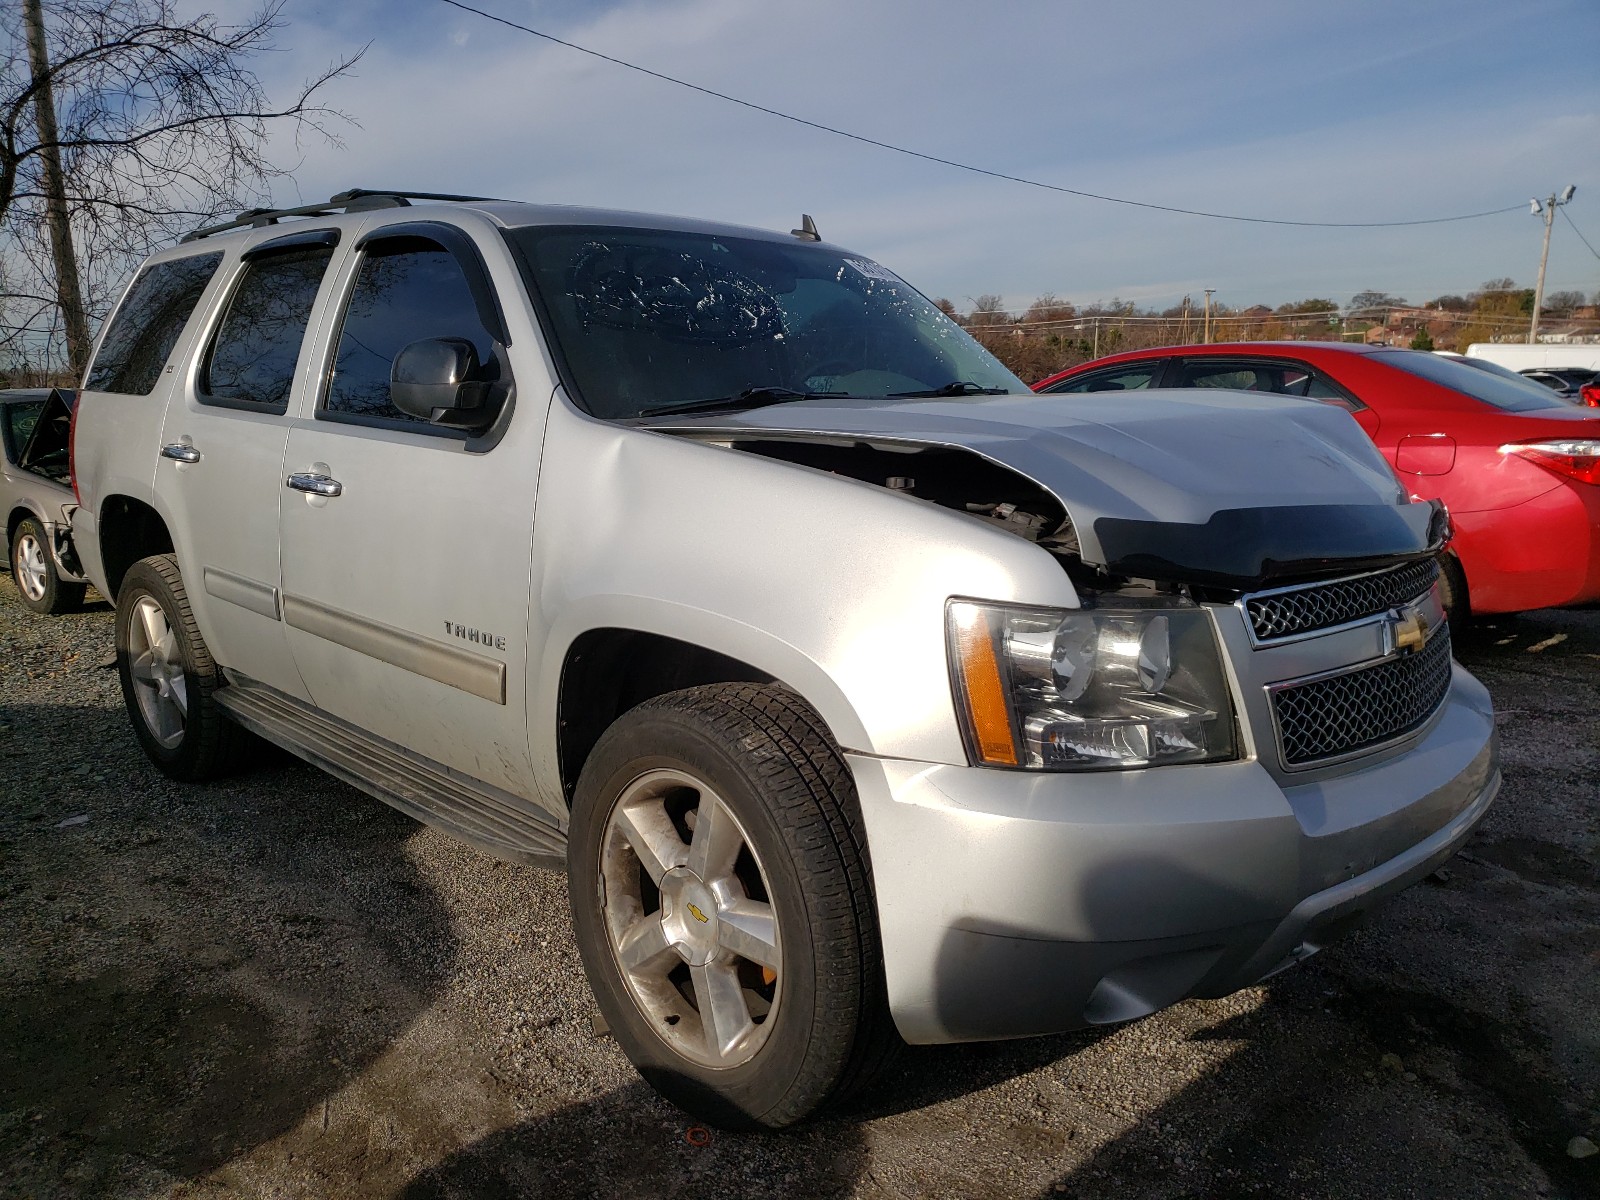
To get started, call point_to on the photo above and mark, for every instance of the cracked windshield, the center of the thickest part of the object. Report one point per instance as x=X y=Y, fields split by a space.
x=656 y=321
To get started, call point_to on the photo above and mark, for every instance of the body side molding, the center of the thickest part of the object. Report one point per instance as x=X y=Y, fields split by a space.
x=472 y=673
x=237 y=589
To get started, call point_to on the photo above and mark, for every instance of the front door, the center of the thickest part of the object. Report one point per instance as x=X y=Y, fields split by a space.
x=407 y=547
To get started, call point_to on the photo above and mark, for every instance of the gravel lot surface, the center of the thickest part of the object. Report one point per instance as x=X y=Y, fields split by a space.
x=275 y=986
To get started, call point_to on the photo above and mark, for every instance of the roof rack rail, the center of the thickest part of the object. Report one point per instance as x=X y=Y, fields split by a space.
x=348 y=201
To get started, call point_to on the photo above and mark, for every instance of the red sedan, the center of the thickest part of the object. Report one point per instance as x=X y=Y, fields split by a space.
x=1518 y=467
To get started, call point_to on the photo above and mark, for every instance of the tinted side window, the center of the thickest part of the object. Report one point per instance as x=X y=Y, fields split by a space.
x=147 y=325
x=1283 y=378
x=1245 y=377
x=1320 y=387
x=1115 y=379
x=20 y=418
x=407 y=289
x=1511 y=395
x=253 y=355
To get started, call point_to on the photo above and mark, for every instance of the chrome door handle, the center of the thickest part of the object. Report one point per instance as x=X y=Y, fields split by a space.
x=317 y=485
x=180 y=453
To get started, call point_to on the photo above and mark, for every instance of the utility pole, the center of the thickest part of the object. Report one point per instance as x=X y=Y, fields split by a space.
x=1549 y=213
x=69 y=295
x=1208 y=315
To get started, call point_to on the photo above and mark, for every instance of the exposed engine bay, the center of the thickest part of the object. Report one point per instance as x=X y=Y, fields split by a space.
x=1225 y=492
x=1156 y=558
x=963 y=481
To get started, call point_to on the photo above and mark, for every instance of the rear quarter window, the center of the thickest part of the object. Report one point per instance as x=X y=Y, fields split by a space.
x=1508 y=395
x=148 y=323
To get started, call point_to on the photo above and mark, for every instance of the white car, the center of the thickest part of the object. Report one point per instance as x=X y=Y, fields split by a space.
x=864 y=694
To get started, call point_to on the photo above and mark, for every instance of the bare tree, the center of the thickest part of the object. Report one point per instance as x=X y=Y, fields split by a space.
x=1048 y=308
x=159 y=125
x=1561 y=304
x=988 y=311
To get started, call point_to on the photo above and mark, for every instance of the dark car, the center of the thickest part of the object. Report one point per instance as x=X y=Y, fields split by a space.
x=1579 y=384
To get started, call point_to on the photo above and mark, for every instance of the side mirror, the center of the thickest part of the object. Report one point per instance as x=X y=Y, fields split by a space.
x=436 y=379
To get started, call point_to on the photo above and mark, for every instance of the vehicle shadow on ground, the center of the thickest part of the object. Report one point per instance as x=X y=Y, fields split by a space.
x=631 y=1142
x=1376 y=1089
x=190 y=970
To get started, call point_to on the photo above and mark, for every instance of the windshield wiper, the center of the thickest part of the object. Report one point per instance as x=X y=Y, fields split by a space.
x=961 y=387
x=751 y=397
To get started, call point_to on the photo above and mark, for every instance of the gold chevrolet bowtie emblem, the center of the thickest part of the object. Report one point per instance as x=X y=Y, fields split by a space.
x=695 y=912
x=1411 y=631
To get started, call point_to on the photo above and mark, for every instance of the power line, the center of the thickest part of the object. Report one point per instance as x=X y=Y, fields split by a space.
x=961 y=166
x=1579 y=232
x=1375 y=316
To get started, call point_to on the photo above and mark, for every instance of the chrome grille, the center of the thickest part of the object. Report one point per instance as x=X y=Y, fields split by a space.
x=1341 y=714
x=1294 y=611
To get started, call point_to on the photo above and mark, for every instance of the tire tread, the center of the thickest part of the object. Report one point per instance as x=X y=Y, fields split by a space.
x=218 y=740
x=787 y=751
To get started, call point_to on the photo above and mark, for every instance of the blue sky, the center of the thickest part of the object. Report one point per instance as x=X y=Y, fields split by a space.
x=1341 y=112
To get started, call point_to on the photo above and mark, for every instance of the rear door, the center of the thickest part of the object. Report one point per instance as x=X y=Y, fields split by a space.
x=221 y=456
x=407 y=547
x=129 y=382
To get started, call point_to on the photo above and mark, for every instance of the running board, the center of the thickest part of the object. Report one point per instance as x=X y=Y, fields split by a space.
x=485 y=817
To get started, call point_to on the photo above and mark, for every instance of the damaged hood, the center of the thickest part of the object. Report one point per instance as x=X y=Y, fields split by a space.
x=1228 y=488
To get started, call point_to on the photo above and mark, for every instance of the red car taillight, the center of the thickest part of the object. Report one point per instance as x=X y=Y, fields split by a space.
x=1577 y=458
x=1589 y=394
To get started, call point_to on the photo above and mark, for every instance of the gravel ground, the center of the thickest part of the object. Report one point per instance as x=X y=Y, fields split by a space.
x=275 y=986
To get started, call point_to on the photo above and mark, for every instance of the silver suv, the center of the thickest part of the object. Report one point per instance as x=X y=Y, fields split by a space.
x=864 y=695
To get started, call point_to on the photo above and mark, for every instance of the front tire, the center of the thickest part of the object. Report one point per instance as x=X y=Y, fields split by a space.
x=34 y=568
x=168 y=676
x=722 y=904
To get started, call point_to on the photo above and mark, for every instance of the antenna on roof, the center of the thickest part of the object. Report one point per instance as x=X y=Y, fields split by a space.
x=807 y=230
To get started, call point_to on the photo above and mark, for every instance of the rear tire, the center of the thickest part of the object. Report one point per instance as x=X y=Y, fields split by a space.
x=722 y=902
x=34 y=568
x=168 y=676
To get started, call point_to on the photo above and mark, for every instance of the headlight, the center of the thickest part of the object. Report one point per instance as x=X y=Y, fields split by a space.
x=1096 y=688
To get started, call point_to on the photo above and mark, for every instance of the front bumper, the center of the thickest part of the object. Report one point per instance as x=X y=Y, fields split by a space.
x=1016 y=903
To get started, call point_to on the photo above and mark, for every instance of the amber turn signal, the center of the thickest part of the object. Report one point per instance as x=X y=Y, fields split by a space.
x=982 y=690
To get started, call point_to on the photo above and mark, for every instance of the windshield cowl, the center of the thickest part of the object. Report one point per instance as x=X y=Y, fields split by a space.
x=750 y=397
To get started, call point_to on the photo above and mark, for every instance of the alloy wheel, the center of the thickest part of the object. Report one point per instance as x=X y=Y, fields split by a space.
x=156 y=664
x=691 y=925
